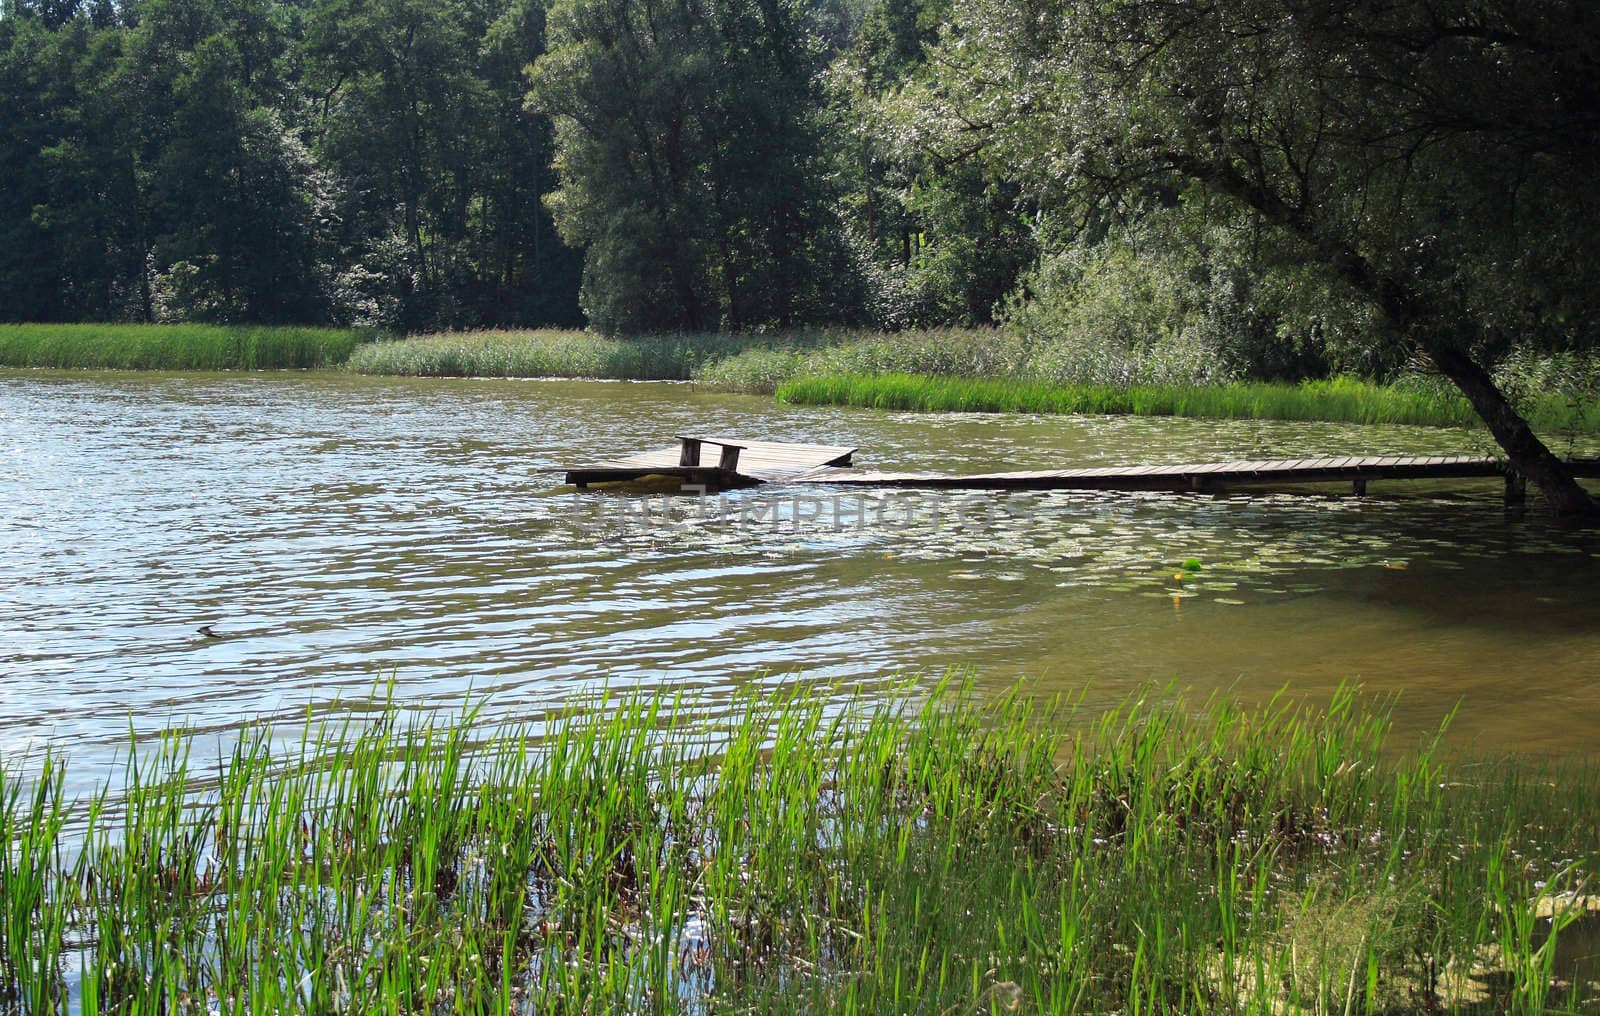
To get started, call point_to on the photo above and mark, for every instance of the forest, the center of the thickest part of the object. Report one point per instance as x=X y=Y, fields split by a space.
x=396 y=164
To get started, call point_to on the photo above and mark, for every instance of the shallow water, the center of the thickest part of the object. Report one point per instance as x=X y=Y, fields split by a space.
x=339 y=531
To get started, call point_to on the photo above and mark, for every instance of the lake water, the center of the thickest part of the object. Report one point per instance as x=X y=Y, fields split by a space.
x=340 y=531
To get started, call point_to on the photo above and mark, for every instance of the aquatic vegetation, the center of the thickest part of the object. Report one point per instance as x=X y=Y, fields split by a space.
x=1340 y=400
x=804 y=853
x=749 y=362
x=933 y=370
x=562 y=353
x=174 y=347
x=954 y=352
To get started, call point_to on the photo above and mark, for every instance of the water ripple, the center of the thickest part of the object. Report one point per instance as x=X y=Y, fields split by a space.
x=338 y=531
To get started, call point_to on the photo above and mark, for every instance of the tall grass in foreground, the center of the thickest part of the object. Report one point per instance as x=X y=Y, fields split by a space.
x=174 y=347
x=1341 y=399
x=794 y=856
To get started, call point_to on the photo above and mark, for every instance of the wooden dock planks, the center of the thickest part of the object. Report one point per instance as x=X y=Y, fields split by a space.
x=829 y=465
x=1176 y=477
x=1194 y=475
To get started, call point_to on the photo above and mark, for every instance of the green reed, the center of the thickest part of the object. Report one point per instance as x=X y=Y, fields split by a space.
x=799 y=851
x=558 y=353
x=174 y=347
x=1339 y=400
x=748 y=362
x=34 y=903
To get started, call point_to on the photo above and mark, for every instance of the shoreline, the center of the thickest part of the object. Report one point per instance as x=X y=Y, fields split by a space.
x=976 y=370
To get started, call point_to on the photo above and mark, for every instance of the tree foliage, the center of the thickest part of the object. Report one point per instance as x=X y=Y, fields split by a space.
x=235 y=160
x=1433 y=157
x=690 y=162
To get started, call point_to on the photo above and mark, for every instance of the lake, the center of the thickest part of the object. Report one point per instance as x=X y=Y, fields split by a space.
x=340 y=532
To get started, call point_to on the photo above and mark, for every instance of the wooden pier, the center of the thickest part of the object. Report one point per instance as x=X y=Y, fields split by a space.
x=754 y=462
x=738 y=463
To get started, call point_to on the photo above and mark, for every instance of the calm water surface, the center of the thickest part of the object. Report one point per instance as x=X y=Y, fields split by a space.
x=338 y=531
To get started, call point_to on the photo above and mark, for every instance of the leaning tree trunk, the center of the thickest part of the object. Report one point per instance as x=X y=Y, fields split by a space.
x=1526 y=453
x=1409 y=315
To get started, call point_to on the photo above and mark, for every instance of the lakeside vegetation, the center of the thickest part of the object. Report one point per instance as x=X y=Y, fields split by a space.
x=795 y=853
x=174 y=347
x=1340 y=400
x=552 y=353
x=935 y=370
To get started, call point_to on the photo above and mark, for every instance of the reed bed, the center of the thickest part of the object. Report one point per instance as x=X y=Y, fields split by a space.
x=174 y=347
x=935 y=370
x=802 y=853
x=1340 y=400
x=755 y=363
x=954 y=352
x=568 y=354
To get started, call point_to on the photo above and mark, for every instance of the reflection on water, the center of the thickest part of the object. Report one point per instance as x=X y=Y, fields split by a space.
x=341 y=530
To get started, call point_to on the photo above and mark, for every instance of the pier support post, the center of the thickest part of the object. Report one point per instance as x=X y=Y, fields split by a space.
x=1359 y=485
x=689 y=452
x=1516 y=487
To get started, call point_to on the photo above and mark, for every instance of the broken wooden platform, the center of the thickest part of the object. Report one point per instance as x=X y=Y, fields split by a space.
x=738 y=463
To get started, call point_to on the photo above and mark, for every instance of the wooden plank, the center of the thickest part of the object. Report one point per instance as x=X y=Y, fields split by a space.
x=771 y=461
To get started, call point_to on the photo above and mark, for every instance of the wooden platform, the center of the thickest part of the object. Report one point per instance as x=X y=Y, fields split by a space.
x=737 y=463
x=753 y=462
x=1184 y=476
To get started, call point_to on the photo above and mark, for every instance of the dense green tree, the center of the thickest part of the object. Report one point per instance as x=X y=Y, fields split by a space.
x=69 y=210
x=951 y=236
x=1184 y=283
x=36 y=117
x=522 y=271
x=418 y=107
x=1435 y=158
x=397 y=103
x=232 y=195
x=244 y=160
x=689 y=162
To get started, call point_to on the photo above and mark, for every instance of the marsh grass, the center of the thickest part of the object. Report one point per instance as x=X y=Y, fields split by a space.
x=953 y=352
x=753 y=362
x=935 y=370
x=1341 y=399
x=801 y=853
x=174 y=347
x=570 y=354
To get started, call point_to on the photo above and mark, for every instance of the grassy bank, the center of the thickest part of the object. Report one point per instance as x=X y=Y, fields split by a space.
x=971 y=370
x=174 y=347
x=786 y=856
x=1341 y=399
